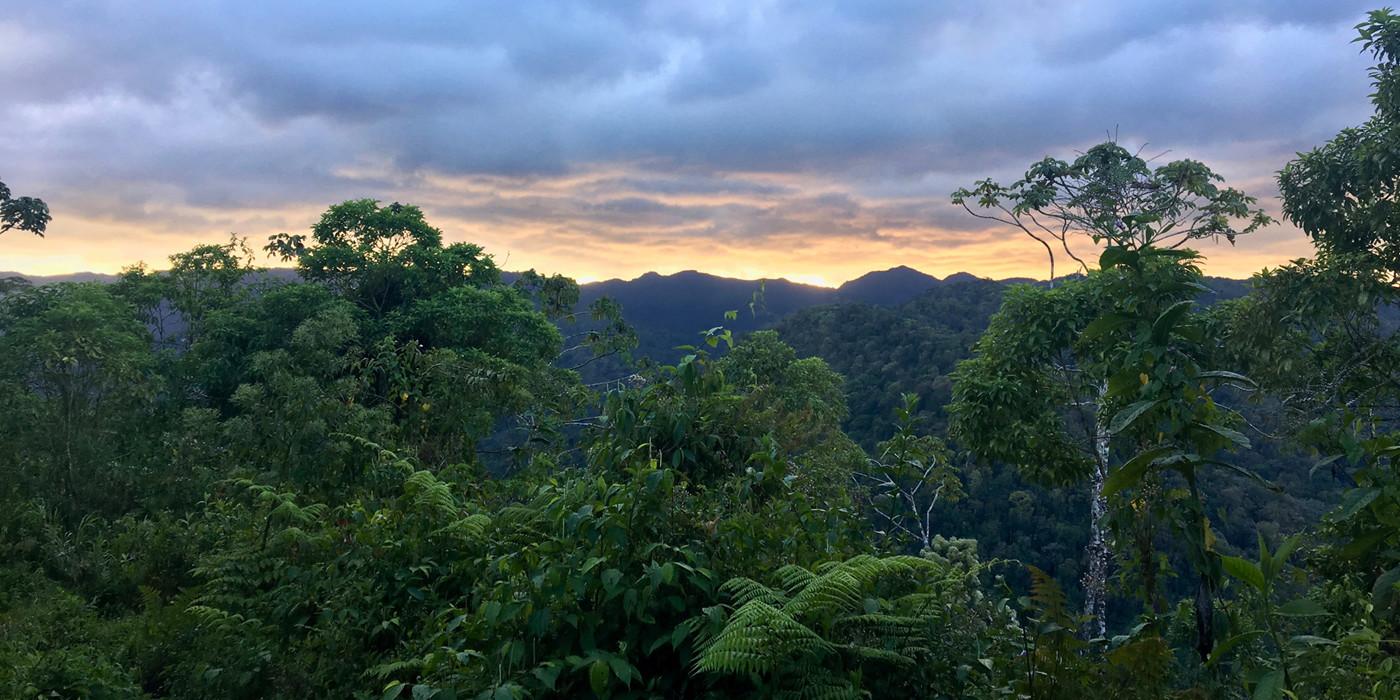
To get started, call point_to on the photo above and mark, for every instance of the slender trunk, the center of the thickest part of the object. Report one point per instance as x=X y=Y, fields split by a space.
x=1096 y=577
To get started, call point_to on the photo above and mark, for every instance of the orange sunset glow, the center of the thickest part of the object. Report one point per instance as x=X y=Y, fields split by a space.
x=749 y=141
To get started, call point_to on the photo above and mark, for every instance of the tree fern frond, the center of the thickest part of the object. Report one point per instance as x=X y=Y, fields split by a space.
x=1050 y=599
x=793 y=578
x=822 y=686
x=892 y=626
x=838 y=589
x=863 y=654
x=384 y=670
x=745 y=590
x=471 y=527
x=758 y=639
x=429 y=494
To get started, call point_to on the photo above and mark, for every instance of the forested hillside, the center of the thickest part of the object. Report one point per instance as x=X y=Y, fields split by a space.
x=886 y=353
x=383 y=476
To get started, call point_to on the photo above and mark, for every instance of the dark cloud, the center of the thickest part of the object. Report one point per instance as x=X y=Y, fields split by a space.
x=735 y=119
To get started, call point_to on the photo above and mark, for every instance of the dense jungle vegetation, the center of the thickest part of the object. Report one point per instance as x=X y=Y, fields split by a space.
x=385 y=478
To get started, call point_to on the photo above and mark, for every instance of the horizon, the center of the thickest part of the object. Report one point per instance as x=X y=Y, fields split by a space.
x=47 y=279
x=749 y=140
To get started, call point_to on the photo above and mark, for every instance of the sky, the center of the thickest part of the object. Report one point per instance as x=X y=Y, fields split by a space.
x=812 y=140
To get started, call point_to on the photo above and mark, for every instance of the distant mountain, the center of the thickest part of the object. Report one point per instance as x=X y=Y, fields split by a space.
x=889 y=287
x=71 y=277
x=692 y=301
x=675 y=310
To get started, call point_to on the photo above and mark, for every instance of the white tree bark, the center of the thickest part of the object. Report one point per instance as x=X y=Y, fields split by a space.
x=1095 y=579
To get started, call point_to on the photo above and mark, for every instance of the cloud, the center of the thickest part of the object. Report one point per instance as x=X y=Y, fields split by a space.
x=796 y=130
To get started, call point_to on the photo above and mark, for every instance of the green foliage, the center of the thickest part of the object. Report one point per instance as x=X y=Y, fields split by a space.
x=1105 y=192
x=1341 y=193
x=911 y=475
x=74 y=378
x=886 y=352
x=865 y=626
x=23 y=213
x=214 y=483
x=1007 y=399
x=383 y=258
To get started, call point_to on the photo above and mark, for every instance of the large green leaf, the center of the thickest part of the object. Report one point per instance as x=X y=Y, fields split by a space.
x=1246 y=472
x=1117 y=255
x=1127 y=416
x=1232 y=376
x=1270 y=686
x=1302 y=607
x=1131 y=473
x=1354 y=501
x=1165 y=323
x=1224 y=647
x=598 y=677
x=1383 y=593
x=1234 y=436
x=1244 y=570
x=1106 y=323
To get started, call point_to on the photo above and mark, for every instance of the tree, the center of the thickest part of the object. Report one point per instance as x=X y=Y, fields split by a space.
x=1319 y=319
x=1057 y=201
x=912 y=475
x=23 y=213
x=1343 y=194
x=1110 y=196
x=1029 y=397
x=383 y=258
x=74 y=382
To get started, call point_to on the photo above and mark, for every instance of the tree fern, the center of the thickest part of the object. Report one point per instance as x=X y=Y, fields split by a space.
x=759 y=639
x=824 y=629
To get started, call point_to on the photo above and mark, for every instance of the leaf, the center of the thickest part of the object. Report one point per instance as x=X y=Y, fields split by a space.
x=622 y=669
x=1225 y=646
x=1284 y=551
x=1365 y=542
x=1302 y=607
x=1116 y=255
x=1354 y=501
x=1383 y=593
x=1130 y=473
x=1234 y=376
x=548 y=675
x=1107 y=323
x=1270 y=687
x=1247 y=472
x=1165 y=323
x=1245 y=571
x=393 y=691
x=1234 y=436
x=598 y=677
x=1127 y=416
x=1322 y=463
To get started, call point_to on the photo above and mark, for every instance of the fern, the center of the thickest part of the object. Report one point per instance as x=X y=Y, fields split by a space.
x=745 y=590
x=429 y=495
x=471 y=527
x=392 y=668
x=823 y=627
x=759 y=638
x=1049 y=600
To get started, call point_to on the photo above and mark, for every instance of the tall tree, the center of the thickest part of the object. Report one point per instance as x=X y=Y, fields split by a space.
x=1110 y=196
x=23 y=213
x=1059 y=201
x=1315 y=323
x=383 y=258
x=1343 y=193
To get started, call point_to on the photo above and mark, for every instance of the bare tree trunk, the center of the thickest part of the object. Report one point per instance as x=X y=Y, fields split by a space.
x=1096 y=577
